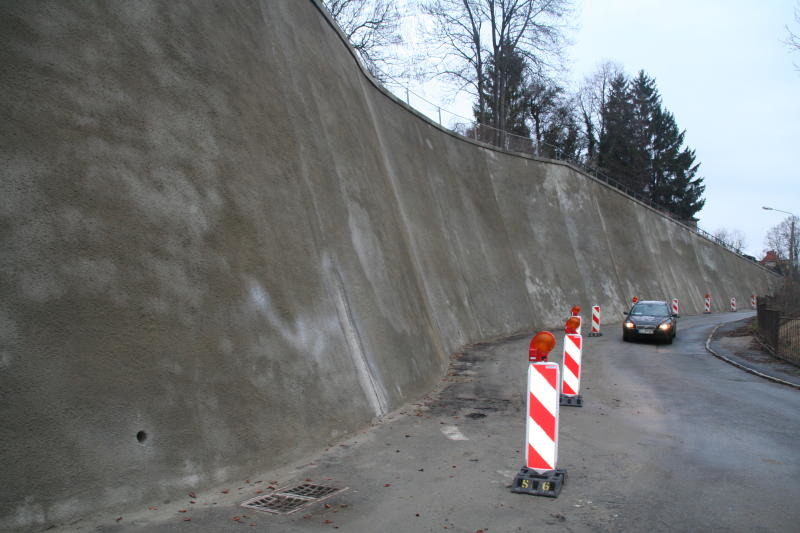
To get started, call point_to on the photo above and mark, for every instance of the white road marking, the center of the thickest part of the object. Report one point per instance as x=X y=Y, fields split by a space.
x=453 y=433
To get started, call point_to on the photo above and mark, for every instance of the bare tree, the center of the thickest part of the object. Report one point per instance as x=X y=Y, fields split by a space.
x=372 y=27
x=732 y=238
x=784 y=240
x=792 y=39
x=590 y=102
x=474 y=34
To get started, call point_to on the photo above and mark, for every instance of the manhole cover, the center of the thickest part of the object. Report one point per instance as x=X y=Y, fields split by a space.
x=290 y=499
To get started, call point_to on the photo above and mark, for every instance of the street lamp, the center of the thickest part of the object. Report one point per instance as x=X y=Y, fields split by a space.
x=792 y=244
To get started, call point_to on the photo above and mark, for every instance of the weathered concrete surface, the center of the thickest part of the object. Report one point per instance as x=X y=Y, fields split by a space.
x=223 y=247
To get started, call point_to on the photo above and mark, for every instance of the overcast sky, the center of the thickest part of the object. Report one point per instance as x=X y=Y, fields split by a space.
x=722 y=69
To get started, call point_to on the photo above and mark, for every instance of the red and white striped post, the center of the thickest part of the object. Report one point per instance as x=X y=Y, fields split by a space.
x=571 y=376
x=595 y=321
x=754 y=301
x=541 y=428
x=707 y=304
x=675 y=306
x=540 y=476
x=733 y=305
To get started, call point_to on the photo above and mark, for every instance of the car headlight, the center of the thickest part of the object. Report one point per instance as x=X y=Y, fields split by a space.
x=666 y=326
x=630 y=325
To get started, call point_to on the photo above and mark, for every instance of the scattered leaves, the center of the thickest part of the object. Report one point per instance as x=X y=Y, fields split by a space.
x=226 y=491
x=119 y=518
x=192 y=495
x=182 y=510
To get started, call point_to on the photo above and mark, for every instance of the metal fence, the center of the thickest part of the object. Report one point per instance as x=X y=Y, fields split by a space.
x=781 y=334
x=515 y=143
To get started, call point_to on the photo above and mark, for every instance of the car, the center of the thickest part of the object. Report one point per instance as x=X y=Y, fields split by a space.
x=650 y=319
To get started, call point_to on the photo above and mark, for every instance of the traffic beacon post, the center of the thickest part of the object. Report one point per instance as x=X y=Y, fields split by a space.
x=571 y=380
x=595 y=322
x=539 y=476
x=707 y=304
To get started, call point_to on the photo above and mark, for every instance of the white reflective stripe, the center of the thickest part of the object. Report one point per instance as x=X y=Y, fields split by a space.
x=540 y=442
x=542 y=390
x=453 y=433
x=572 y=380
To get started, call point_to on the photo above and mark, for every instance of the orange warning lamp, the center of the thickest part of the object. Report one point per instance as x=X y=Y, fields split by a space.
x=576 y=310
x=541 y=344
x=573 y=323
x=708 y=295
x=635 y=299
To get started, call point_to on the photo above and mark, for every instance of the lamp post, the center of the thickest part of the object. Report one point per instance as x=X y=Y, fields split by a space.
x=792 y=242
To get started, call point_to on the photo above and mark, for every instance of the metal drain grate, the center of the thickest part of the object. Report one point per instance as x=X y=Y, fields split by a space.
x=289 y=500
x=309 y=490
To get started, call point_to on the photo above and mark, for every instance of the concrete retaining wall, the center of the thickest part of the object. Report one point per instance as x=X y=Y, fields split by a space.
x=224 y=248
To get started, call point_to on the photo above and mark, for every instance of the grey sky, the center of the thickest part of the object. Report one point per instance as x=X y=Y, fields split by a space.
x=722 y=69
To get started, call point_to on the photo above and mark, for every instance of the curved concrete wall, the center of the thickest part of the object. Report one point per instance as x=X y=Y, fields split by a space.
x=223 y=248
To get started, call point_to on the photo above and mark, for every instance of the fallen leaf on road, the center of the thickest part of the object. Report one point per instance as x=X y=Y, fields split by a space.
x=226 y=491
x=119 y=518
x=192 y=495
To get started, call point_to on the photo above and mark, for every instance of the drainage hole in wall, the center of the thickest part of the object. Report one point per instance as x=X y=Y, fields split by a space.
x=141 y=436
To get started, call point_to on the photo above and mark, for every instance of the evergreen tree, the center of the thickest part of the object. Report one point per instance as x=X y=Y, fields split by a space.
x=504 y=83
x=561 y=138
x=643 y=148
x=616 y=148
x=542 y=102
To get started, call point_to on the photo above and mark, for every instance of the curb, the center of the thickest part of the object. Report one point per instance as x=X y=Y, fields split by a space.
x=743 y=367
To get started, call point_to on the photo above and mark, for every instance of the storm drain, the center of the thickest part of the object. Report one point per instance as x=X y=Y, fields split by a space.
x=290 y=499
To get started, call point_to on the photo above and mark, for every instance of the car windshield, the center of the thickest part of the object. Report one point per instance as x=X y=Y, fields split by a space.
x=650 y=309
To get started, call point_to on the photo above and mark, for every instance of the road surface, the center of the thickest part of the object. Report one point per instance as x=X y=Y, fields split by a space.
x=670 y=439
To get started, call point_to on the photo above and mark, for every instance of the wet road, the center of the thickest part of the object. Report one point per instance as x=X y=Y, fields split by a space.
x=670 y=439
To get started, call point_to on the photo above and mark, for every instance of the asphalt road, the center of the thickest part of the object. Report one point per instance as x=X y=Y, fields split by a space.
x=669 y=438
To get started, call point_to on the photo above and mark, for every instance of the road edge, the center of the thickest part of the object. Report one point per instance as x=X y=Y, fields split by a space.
x=744 y=367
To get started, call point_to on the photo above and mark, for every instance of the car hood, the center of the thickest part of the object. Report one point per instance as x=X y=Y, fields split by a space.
x=645 y=320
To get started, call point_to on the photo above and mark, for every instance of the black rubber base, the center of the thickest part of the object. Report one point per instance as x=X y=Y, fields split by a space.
x=545 y=484
x=598 y=334
x=574 y=401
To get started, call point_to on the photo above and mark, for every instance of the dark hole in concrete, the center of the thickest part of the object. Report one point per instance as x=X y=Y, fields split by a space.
x=141 y=436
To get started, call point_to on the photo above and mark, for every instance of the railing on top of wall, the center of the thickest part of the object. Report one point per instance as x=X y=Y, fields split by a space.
x=525 y=145
x=508 y=141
